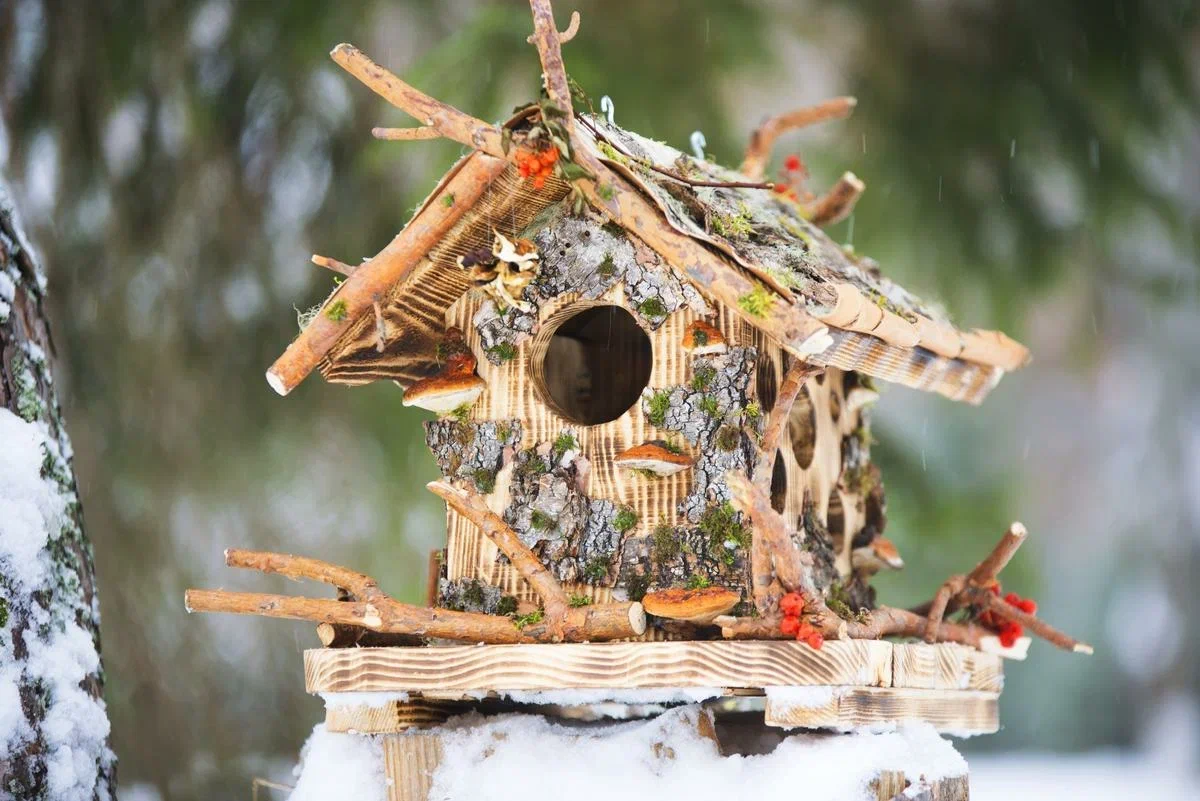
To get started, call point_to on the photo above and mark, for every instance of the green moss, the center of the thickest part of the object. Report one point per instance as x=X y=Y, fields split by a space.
x=664 y=545
x=596 y=569
x=461 y=413
x=505 y=352
x=503 y=432
x=473 y=593
x=732 y=226
x=697 y=582
x=644 y=473
x=521 y=621
x=625 y=519
x=507 y=605
x=720 y=525
x=337 y=311
x=758 y=302
x=652 y=308
x=448 y=199
x=752 y=411
x=636 y=585
x=3 y=613
x=671 y=445
x=605 y=191
x=708 y=405
x=700 y=337
x=564 y=442
x=577 y=601
x=608 y=267
x=612 y=154
x=703 y=377
x=542 y=521
x=658 y=406
x=728 y=438
x=485 y=480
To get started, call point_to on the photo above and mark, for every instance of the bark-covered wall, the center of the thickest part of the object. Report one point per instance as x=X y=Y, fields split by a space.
x=53 y=724
x=612 y=533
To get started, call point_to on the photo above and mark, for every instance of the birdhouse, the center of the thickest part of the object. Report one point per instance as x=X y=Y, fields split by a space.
x=650 y=380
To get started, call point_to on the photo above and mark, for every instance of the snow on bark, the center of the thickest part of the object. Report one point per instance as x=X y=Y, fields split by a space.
x=53 y=725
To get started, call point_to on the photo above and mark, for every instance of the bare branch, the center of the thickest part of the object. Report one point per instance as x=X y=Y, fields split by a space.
x=836 y=204
x=758 y=153
x=405 y=134
x=554 y=72
x=446 y=120
x=360 y=586
x=568 y=34
x=332 y=264
x=1035 y=624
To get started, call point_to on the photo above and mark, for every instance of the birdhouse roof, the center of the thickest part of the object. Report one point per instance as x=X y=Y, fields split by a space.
x=736 y=240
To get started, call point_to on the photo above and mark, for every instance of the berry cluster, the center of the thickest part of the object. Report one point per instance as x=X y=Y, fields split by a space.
x=1008 y=630
x=792 y=606
x=537 y=165
x=791 y=178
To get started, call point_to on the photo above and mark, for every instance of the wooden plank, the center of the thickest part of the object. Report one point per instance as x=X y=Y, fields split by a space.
x=891 y=783
x=960 y=712
x=629 y=665
x=391 y=716
x=409 y=761
x=946 y=666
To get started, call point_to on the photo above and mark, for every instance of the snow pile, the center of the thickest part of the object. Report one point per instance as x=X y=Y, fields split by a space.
x=60 y=653
x=373 y=700
x=340 y=767
x=581 y=697
x=525 y=757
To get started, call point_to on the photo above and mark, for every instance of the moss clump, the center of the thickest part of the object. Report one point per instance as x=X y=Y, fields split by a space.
x=652 y=308
x=636 y=585
x=758 y=301
x=703 y=377
x=541 y=521
x=664 y=545
x=625 y=519
x=671 y=445
x=473 y=593
x=657 y=408
x=697 y=582
x=752 y=411
x=3 y=613
x=521 y=621
x=503 y=432
x=448 y=199
x=507 y=605
x=533 y=466
x=700 y=337
x=505 y=352
x=708 y=405
x=337 y=311
x=612 y=154
x=596 y=569
x=724 y=531
x=485 y=480
x=577 y=601
x=728 y=438
x=564 y=442
x=462 y=413
x=732 y=226
x=608 y=267
x=605 y=191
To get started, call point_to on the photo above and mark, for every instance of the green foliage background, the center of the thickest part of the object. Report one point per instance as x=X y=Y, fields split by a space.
x=1033 y=165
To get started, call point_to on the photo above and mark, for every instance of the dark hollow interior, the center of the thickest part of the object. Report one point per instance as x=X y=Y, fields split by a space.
x=597 y=363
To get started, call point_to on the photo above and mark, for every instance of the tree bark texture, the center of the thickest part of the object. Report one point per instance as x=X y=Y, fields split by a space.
x=54 y=729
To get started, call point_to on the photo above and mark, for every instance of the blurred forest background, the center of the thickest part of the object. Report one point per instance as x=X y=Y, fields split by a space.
x=1034 y=165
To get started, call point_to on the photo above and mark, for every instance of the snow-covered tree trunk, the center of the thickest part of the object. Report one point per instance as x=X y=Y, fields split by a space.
x=54 y=729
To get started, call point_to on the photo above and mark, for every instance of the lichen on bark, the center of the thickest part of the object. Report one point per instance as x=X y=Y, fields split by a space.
x=471 y=451
x=473 y=595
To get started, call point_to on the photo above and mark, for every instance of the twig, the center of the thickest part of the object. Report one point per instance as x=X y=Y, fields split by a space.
x=554 y=73
x=472 y=506
x=950 y=596
x=359 y=586
x=1041 y=628
x=758 y=152
x=270 y=785
x=773 y=555
x=405 y=134
x=445 y=119
x=836 y=204
x=568 y=34
x=332 y=264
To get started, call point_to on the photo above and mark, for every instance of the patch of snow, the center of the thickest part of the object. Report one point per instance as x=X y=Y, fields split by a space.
x=649 y=695
x=340 y=767
x=61 y=654
x=373 y=700
x=523 y=757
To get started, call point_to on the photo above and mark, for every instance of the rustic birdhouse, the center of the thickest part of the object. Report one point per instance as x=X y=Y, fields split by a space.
x=652 y=378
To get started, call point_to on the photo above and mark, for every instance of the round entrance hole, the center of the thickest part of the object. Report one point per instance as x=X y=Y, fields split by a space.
x=592 y=365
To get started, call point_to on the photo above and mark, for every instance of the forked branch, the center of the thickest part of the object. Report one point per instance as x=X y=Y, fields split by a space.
x=554 y=73
x=568 y=34
x=758 y=152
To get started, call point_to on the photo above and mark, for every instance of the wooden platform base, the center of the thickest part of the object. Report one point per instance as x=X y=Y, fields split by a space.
x=851 y=683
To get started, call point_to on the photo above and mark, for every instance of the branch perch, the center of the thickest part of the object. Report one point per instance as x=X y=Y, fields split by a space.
x=836 y=204
x=405 y=134
x=758 y=152
x=554 y=73
x=568 y=34
x=332 y=264
x=368 y=607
